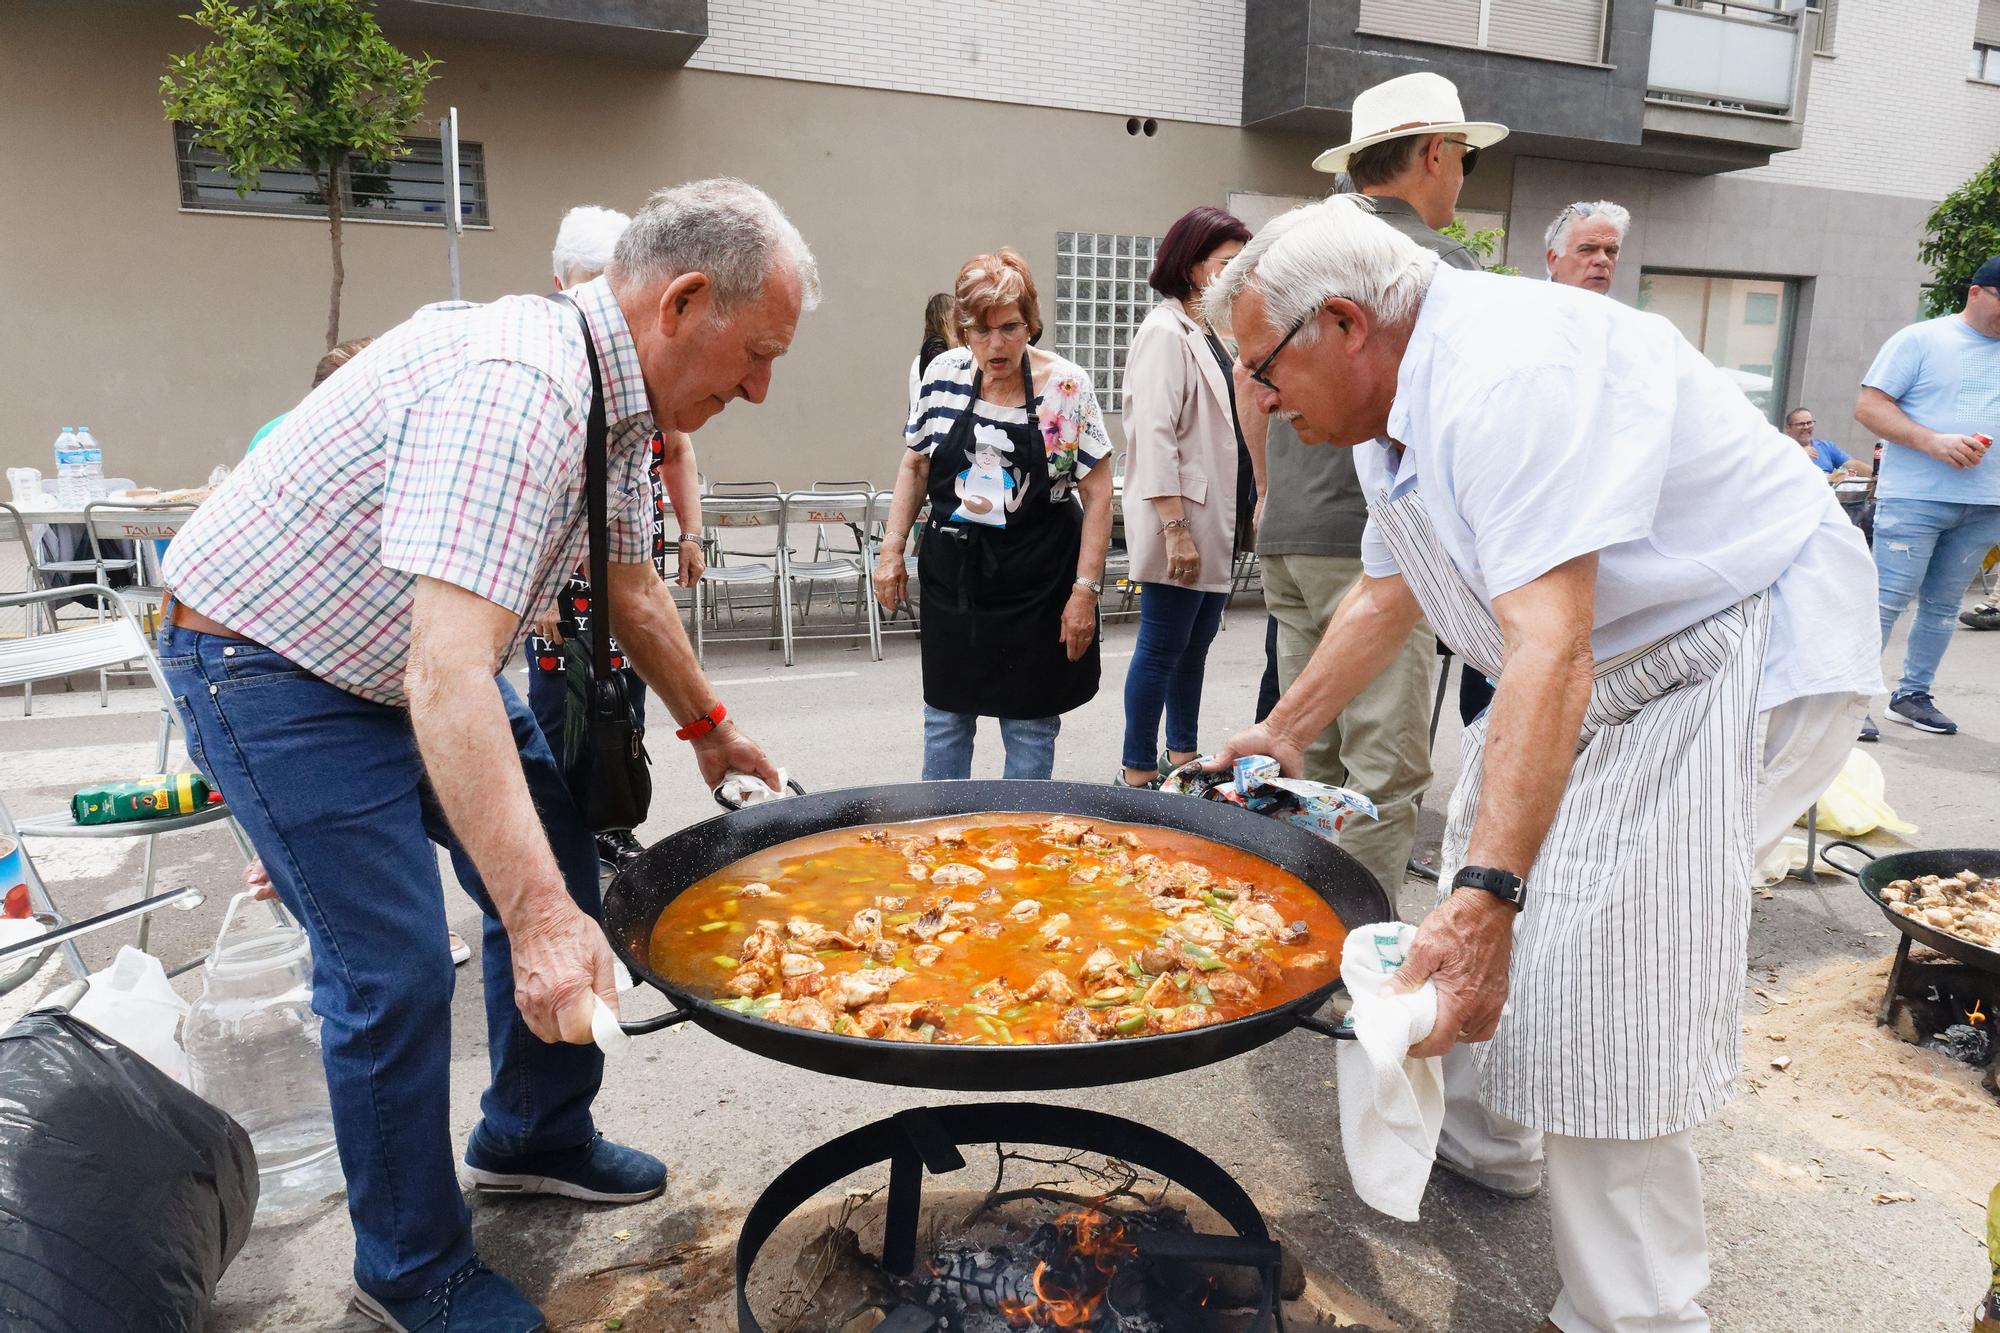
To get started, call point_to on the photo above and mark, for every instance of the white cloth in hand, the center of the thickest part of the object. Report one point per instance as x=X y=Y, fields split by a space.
x=1391 y=1106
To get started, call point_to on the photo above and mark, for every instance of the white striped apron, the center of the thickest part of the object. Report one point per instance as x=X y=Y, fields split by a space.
x=1624 y=1000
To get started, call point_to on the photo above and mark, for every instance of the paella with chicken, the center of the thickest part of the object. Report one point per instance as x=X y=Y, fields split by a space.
x=1002 y=929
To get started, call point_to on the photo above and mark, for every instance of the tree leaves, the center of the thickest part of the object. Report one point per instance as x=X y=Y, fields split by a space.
x=1961 y=233
x=297 y=83
x=294 y=83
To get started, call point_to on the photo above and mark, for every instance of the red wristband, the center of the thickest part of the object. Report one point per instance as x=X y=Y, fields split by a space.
x=702 y=725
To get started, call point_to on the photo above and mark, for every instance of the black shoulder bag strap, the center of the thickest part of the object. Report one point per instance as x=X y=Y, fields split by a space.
x=616 y=784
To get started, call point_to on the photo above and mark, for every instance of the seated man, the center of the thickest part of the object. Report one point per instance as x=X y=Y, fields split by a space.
x=1825 y=455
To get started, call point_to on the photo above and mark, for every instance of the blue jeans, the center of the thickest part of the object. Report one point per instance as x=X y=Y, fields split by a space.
x=1176 y=626
x=1030 y=742
x=331 y=791
x=1929 y=550
x=548 y=692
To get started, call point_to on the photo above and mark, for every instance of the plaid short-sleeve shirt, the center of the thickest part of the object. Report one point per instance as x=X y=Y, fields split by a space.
x=452 y=447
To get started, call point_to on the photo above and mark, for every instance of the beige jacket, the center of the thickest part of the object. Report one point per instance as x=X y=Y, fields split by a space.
x=1179 y=440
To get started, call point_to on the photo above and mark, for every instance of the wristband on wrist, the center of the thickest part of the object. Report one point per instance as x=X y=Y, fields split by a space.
x=689 y=539
x=1091 y=586
x=702 y=725
x=1169 y=525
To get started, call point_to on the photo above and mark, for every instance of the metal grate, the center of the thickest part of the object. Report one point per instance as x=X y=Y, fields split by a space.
x=1101 y=298
x=409 y=189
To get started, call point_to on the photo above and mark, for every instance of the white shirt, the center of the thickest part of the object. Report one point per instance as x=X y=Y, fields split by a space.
x=1546 y=422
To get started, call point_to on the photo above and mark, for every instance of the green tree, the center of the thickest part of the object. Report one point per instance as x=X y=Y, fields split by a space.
x=1961 y=233
x=309 y=84
x=1483 y=243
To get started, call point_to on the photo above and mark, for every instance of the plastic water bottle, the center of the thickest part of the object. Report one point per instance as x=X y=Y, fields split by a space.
x=71 y=493
x=253 y=1049
x=93 y=463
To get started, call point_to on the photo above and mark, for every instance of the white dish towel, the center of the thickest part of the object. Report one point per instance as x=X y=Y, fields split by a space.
x=1391 y=1106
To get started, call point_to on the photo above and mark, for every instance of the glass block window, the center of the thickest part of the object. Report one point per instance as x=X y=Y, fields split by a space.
x=1100 y=299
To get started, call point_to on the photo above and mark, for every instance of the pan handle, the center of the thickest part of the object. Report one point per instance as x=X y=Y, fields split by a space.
x=1826 y=855
x=1341 y=1031
x=727 y=804
x=639 y=1027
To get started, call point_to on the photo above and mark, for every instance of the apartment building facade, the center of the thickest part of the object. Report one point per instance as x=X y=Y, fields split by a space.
x=1778 y=160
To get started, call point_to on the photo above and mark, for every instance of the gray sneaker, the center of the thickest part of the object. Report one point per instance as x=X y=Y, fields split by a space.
x=1916 y=709
x=1869 y=731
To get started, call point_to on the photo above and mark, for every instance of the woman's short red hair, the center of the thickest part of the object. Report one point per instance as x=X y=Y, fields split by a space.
x=987 y=282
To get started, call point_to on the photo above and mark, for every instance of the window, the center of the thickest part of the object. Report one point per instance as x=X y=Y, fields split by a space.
x=1986 y=41
x=1743 y=325
x=1550 y=29
x=409 y=189
x=1828 y=11
x=1101 y=298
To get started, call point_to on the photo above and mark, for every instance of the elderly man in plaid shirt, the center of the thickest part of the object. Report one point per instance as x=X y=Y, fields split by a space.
x=340 y=611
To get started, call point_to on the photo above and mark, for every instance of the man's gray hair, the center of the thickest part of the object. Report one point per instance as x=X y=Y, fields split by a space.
x=726 y=229
x=584 y=242
x=1336 y=247
x=1557 y=236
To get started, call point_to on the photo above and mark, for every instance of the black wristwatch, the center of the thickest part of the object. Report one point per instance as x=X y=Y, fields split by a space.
x=1502 y=884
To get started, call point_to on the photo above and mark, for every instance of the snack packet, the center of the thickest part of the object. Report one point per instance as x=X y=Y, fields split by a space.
x=1255 y=783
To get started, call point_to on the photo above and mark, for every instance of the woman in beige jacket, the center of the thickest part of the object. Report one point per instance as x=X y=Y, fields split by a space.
x=1182 y=448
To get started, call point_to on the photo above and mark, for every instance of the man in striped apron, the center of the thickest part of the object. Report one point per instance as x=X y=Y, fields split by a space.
x=1680 y=618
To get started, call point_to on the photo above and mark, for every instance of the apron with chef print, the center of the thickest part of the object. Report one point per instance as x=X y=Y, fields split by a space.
x=997 y=567
x=1624 y=998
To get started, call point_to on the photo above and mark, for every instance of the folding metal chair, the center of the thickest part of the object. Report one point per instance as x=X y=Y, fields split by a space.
x=751 y=511
x=14 y=529
x=821 y=510
x=115 y=641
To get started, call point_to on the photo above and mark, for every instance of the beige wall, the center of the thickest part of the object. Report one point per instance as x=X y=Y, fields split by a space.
x=174 y=335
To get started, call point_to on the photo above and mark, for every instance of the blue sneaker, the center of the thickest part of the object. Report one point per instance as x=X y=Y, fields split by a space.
x=1916 y=709
x=475 y=1299
x=1869 y=731
x=598 y=1171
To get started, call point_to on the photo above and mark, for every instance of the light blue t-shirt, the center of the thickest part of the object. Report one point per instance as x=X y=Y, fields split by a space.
x=1944 y=375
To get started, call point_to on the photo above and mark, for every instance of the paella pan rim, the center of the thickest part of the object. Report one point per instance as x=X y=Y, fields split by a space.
x=637 y=895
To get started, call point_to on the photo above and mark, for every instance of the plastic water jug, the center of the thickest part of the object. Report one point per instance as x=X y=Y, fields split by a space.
x=93 y=463
x=253 y=1049
x=72 y=492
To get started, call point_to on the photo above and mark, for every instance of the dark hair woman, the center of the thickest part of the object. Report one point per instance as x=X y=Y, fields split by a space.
x=1188 y=474
x=1005 y=439
x=938 y=339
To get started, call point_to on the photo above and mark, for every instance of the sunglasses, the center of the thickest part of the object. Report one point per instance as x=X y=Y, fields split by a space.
x=1257 y=376
x=1471 y=160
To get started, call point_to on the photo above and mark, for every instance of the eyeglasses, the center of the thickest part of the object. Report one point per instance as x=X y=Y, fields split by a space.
x=1471 y=159
x=1009 y=331
x=1257 y=375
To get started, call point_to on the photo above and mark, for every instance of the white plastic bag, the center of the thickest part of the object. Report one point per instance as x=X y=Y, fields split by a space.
x=134 y=1004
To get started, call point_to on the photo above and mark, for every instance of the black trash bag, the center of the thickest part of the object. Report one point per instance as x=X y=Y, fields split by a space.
x=123 y=1196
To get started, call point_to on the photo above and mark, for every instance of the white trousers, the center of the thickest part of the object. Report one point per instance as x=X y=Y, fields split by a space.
x=1627 y=1214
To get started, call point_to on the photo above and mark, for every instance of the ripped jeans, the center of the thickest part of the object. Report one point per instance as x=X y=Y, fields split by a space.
x=1929 y=550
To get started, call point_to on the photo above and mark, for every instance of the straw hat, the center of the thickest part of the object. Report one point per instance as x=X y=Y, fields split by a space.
x=1412 y=104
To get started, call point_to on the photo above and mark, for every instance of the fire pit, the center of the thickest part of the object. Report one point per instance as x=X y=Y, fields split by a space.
x=1114 y=1262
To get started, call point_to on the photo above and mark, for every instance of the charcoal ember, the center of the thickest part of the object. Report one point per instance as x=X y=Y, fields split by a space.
x=1963 y=1042
x=987 y=1279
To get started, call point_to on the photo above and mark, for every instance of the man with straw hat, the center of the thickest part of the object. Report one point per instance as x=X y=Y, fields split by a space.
x=1412 y=151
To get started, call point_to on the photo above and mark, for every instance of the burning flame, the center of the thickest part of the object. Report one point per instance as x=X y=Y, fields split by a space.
x=1071 y=1297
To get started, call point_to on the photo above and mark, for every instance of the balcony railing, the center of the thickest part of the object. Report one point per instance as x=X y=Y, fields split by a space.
x=1726 y=54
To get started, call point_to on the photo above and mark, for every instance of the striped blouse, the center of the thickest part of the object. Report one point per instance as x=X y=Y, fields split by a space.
x=1072 y=425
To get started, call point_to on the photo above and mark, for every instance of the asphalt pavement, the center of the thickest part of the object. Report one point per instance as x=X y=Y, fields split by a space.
x=1799 y=1238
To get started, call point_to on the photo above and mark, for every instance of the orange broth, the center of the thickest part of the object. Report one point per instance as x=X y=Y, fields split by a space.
x=699 y=942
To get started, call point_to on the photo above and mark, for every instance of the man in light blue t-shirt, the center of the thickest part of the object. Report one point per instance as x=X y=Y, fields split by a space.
x=1934 y=395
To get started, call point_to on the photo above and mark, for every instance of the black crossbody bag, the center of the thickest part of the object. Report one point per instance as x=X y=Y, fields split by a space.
x=604 y=760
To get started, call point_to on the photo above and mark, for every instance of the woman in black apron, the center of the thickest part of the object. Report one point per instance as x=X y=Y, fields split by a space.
x=1011 y=561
